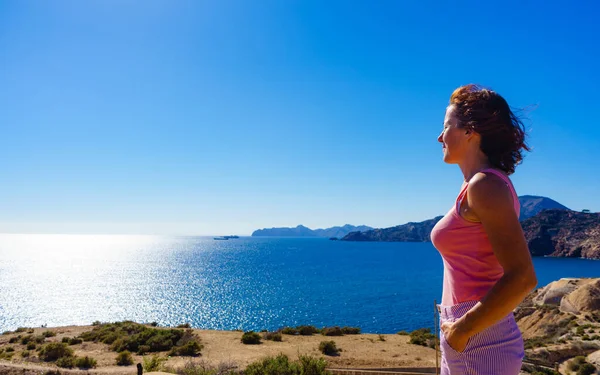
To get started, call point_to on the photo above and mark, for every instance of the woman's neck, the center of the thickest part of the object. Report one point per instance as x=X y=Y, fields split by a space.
x=471 y=166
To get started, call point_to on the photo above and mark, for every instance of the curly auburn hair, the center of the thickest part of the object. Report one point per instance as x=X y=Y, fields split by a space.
x=487 y=113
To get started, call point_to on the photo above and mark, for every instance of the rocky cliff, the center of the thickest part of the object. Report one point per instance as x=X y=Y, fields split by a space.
x=562 y=233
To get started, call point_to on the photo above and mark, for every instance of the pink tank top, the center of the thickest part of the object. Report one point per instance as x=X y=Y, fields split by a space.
x=470 y=266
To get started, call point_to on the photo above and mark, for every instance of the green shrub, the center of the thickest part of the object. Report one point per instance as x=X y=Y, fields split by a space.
x=190 y=349
x=25 y=353
x=39 y=339
x=332 y=331
x=586 y=369
x=143 y=349
x=289 y=331
x=31 y=345
x=85 y=362
x=131 y=336
x=75 y=341
x=307 y=330
x=154 y=363
x=279 y=365
x=48 y=334
x=313 y=366
x=351 y=330
x=96 y=323
x=328 y=348
x=7 y=332
x=403 y=333
x=423 y=337
x=251 y=338
x=154 y=324
x=6 y=355
x=26 y=339
x=66 y=362
x=576 y=362
x=13 y=340
x=124 y=358
x=272 y=336
x=185 y=325
x=55 y=350
x=9 y=349
x=65 y=340
x=536 y=342
x=21 y=329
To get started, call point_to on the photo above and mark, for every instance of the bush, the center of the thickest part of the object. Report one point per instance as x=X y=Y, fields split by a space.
x=65 y=340
x=332 y=331
x=289 y=331
x=66 y=362
x=307 y=330
x=328 y=348
x=423 y=337
x=96 y=323
x=586 y=369
x=143 y=349
x=21 y=329
x=576 y=362
x=39 y=339
x=351 y=330
x=272 y=336
x=154 y=324
x=85 y=362
x=191 y=349
x=75 y=341
x=403 y=333
x=7 y=332
x=185 y=325
x=55 y=350
x=124 y=358
x=26 y=339
x=25 y=353
x=279 y=365
x=31 y=345
x=154 y=363
x=13 y=340
x=251 y=338
x=48 y=334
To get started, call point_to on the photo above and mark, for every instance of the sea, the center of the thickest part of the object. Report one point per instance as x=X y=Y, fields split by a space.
x=249 y=283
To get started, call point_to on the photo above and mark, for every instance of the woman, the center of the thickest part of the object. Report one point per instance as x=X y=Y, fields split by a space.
x=487 y=265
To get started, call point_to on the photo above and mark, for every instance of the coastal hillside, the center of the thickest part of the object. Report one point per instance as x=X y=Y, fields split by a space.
x=561 y=233
x=532 y=205
x=560 y=324
x=302 y=231
x=410 y=232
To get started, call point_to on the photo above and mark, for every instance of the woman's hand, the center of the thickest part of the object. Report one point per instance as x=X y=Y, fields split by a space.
x=454 y=337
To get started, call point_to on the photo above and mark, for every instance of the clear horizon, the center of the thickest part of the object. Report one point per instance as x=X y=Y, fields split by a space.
x=200 y=118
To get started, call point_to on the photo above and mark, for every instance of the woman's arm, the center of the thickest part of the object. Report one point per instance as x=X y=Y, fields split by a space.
x=491 y=201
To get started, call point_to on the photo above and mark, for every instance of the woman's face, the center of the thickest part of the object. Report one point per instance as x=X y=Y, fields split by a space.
x=454 y=140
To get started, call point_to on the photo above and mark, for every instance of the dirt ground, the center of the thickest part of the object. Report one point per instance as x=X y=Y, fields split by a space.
x=358 y=351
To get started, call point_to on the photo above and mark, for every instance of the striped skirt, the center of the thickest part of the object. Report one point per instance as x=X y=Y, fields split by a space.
x=497 y=350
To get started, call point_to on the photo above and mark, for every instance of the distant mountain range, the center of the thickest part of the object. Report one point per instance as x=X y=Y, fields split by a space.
x=410 y=232
x=302 y=231
x=531 y=205
x=419 y=232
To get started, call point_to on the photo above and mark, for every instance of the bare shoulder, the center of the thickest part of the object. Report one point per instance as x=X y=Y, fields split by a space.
x=487 y=190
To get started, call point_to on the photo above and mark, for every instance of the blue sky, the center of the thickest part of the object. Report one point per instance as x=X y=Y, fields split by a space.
x=218 y=117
